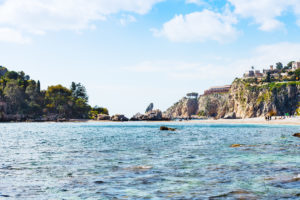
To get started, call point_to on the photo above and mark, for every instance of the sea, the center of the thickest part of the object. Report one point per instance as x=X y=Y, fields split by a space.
x=136 y=160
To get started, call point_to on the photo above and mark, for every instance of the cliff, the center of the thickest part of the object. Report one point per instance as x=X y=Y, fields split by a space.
x=244 y=100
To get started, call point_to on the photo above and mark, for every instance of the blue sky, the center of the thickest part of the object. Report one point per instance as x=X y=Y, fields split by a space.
x=129 y=53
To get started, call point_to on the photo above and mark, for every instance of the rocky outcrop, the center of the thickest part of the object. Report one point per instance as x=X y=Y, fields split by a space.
x=149 y=108
x=184 y=108
x=119 y=118
x=244 y=100
x=154 y=115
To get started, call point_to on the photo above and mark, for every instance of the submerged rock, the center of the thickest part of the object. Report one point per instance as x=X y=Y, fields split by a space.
x=237 y=194
x=297 y=135
x=164 y=128
x=139 y=168
x=236 y=145
x=99 y=182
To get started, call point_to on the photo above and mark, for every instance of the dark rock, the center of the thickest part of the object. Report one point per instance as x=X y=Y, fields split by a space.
x=103 y=117
x=164 y=128
x=99 y=182
x=150 y=108
x=119 y=118
x=154 y=115
x=137 y=117
x=297 y=135
x=61 y=120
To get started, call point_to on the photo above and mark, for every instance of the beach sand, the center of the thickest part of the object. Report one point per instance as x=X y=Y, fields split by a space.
x=260 y=120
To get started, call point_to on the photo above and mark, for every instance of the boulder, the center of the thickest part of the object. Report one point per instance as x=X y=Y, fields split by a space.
x=164 y=128
x=154 y=115
x=137 y=117
x=103 y=117
x=119 y=118
x=230 y=116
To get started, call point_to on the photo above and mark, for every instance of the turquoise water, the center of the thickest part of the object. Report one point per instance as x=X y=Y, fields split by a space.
x=137 y=161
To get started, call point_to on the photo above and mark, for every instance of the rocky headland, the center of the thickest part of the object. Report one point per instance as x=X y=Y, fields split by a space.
x=243 y=100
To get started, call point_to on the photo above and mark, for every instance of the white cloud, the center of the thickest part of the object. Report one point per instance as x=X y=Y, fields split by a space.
x=197 y=2
x=12 y=36
x=266 y=55
x=181 y=70
x=200 y=26
x=221 y=69
x=40 y=16
x=126 y=19
x=265 y=12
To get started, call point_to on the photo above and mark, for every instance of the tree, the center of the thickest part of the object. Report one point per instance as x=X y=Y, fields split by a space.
x=58 y=99
x=279 y=66
x=12 y=75
x=14 y=95
x=290 y=64
x=79 y=91
x=268 y=79
x=38 y=87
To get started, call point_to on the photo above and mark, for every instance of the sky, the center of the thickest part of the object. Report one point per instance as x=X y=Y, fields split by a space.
x=129 y=53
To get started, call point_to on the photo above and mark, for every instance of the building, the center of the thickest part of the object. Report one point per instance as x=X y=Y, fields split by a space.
x=296 y=65
x=249 y=74
x=271 y=71
x=217 y=89
x=253 y=74
x=192 y=95
x=257 y=73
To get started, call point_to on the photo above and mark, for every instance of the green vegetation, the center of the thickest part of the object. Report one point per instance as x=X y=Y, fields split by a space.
x=298 y=109
x=202 y=113
x=97 y=110
x=23 y=96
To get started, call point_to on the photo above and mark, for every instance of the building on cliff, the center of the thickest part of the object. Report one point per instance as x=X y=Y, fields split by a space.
x=217 y=89
x=253 y=74
x=192 y=95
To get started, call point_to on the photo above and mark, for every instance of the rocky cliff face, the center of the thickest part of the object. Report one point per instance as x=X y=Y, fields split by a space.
x=244 y=100
x=183 y=108
x=256 y=100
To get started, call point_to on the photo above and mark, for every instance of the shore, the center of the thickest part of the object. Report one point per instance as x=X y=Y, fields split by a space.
x=286 y=121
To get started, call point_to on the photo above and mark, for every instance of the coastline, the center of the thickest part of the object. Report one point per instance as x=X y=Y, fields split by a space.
x=260 y=120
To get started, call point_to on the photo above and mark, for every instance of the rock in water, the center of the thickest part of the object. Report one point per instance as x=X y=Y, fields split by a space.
x=297 y=135
x=235 y=145
x=164 y=128
x=150 y=107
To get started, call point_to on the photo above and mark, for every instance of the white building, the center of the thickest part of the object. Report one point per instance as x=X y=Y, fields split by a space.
x=296 y=65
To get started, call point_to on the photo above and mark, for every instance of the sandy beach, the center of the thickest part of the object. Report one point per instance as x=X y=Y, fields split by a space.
x=259 y=120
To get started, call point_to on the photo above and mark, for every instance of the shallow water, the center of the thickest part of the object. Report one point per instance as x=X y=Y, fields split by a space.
x=137 y=161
